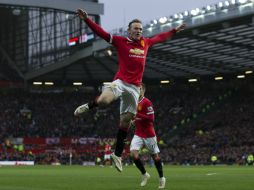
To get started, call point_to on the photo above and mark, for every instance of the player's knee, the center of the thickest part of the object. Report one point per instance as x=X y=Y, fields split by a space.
x=125 y=120
x=125 y=124
x=106 y=97
x=103 y=100
x=156 y=157
x=134 y=155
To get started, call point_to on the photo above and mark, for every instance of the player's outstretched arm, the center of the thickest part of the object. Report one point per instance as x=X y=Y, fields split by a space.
x=83 y=15
x=161 y=37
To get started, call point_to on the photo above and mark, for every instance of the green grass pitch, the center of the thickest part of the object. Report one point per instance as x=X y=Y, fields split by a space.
x=107 y=178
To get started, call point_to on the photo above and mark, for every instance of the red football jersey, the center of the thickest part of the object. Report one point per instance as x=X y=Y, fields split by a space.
x=107 y=149
x=131 y=54
x=144 y=119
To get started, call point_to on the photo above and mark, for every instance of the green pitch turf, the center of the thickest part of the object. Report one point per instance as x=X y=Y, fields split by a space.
x=106 y=178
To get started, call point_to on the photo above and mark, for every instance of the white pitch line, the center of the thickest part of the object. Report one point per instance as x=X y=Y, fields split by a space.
x=211 y=174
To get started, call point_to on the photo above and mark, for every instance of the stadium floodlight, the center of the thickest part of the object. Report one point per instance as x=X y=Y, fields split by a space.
x=233 y=2
x=195 y=12
x=208 y=7
x=175 y=16
x=226 y=3
x=220 y=4
x=37 y=83
x=193 y=80
x=16 y=12
x=49 y=83
x=186 y=13
x=240 y=76
x=248 y=72
x=164 y=81
x=109 y=52
x=77 y=83
x=218 y=78
x=242 y=1
x=150 y=29
x=162 y=20
x=107 y=83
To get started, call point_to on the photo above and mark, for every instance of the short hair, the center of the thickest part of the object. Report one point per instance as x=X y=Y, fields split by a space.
x=134 y=21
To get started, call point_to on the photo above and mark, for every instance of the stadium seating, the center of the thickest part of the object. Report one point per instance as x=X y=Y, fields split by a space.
x=195 y=121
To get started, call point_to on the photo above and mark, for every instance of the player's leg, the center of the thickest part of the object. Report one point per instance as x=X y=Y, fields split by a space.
x=125 y=120
x=106 y=97
x=159 y=168
x=152 y=146
x=107 y=159
x=136 y=144
x=128 y=109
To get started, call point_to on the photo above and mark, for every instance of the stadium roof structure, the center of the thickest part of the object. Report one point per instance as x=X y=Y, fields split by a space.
x=35 y=33
x=219 y=41
x=64 y=5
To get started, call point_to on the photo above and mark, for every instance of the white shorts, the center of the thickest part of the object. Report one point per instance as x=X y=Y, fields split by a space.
x=107 y=156
x=151 y=144
x=128 y=94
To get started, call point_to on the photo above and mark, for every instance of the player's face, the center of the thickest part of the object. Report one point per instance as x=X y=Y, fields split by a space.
x=142 y=92
x=135 y=31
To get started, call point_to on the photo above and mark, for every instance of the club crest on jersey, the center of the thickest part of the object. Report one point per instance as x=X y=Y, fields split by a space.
x=142 y=43
x=137 y=51
x=150 y=108
x=139 y=107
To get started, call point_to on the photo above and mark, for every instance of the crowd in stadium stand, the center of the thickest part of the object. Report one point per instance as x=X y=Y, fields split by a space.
x=193 y=122
x=226 y=132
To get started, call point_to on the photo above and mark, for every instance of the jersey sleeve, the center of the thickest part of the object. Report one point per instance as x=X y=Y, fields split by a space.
x=161 y=37
x=98 y=30
x=147 y=114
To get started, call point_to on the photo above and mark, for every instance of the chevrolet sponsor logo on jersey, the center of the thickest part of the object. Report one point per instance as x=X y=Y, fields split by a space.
x=137 y=51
